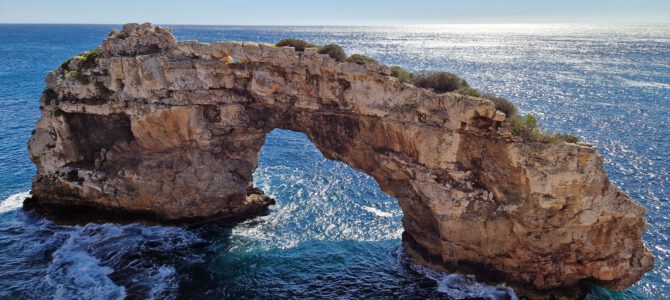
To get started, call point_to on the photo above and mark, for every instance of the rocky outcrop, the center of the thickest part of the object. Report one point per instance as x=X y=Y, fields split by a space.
x=151 y=126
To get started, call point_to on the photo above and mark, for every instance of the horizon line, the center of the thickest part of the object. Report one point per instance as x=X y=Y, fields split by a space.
x=349 y=25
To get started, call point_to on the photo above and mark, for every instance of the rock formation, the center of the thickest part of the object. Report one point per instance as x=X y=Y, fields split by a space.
x=150 y=126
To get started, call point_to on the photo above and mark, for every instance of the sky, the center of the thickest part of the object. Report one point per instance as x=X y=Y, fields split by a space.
x=334 y=12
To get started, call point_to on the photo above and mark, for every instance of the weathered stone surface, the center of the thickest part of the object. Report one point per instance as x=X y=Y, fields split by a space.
x=173 y=129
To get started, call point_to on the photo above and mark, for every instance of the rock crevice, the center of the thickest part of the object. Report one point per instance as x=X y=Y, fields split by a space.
x=173 y=129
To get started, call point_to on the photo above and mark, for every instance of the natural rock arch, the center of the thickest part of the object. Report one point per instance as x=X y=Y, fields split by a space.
x=169 y=130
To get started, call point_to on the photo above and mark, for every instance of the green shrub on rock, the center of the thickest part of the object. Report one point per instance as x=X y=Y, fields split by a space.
x=76 y=75
x=440 y=82
x=334 y=51
x=86 y=60
x=403 y=75
x=89 y=59
x=570 y=138
x=527 y=128
x=502 y=104
x=298 y=44
x=524 y=126
x=468 y=91
x=361 y=59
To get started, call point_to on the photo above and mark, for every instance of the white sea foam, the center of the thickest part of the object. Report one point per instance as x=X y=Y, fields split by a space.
x=457 y=286
x=13 y=202
x=164 y=283
x=466 y=287
x=646 y=84
x=82 y=266
x=377 y=212
x=75 y=274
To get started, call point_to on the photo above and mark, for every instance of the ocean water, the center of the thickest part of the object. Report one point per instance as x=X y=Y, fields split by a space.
x=333 y=233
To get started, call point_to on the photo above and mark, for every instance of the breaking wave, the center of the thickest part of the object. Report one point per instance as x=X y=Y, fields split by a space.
x=75 y=274
x=13 y=202
x=457 y=286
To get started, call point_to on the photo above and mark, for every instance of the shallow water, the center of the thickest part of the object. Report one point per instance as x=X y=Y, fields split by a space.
x=333 y=233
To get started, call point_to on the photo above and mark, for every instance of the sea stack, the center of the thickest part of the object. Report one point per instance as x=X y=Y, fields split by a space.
x=150 y=127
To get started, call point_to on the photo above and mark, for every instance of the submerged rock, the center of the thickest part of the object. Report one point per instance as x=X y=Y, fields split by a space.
x=152 y=127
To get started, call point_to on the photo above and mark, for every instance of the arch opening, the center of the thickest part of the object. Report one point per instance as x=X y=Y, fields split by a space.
x=318 y=198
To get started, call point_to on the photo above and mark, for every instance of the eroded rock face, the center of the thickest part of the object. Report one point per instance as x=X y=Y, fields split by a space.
x=173 y=129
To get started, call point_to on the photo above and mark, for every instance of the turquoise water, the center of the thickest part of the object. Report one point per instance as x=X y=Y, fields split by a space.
x=333 y=233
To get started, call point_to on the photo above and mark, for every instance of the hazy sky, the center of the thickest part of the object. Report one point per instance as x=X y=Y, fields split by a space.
x=333 y=12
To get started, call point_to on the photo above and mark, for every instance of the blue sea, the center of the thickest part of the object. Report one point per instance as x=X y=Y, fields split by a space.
x=333 y=232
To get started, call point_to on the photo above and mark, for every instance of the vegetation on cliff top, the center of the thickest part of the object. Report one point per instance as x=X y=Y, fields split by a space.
x=501 y=104
x=361 y=59
x=86 y=60
x=403 y=75
x=90 y=59
x=334 y=51
x=528 y=128
x=298 y=44
x=440 y=82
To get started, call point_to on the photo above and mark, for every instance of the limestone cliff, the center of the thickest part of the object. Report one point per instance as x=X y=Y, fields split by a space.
x=150 y=126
